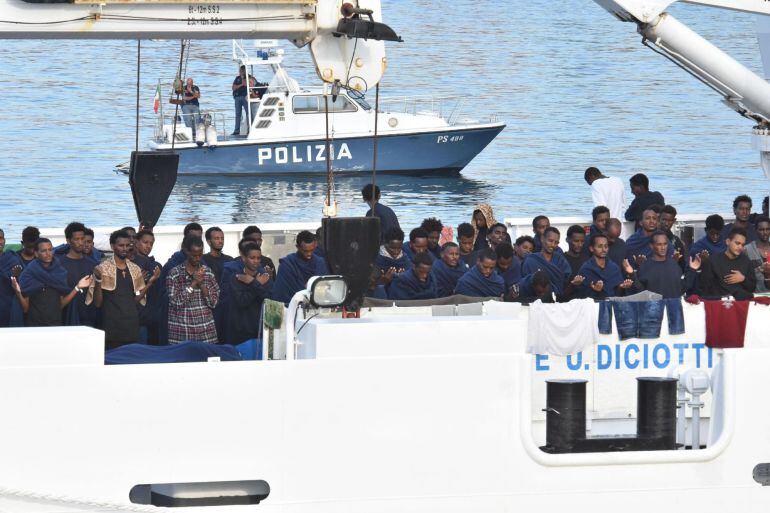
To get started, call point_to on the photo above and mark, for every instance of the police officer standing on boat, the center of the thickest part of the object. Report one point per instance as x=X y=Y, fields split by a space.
x=191 y=108
x=240 y=95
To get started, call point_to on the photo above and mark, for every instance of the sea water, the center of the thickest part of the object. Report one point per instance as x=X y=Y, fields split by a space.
x=574 y=85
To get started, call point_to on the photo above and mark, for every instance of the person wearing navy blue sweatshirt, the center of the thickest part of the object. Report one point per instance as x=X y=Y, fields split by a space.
x=712 y=243
x=466 y=237
x=254 y=234
x=729 y=273
x=448 y=270
x=392 y=258
x=600 y=219
x=742 y=210
x=10 y=267
x=248 y=289
x=296 y=269
x=29 y=237
x=531 y=288
x=433 y=227
x=78 y=265
x=638 y=245
x=524 y=246
x=602 y=278
x=539 y=224
x=149 y=313
x=577 y=249
x=418 y=243
x=215 y=258
x=552 y=261
x=88 y=247
x=482 y=279
x=417 y=282
x=42 y=288
x=617 y=251
x=667 y=222
x=388 y=218
x=643 y=198
x=508 y=265
x=661 y=273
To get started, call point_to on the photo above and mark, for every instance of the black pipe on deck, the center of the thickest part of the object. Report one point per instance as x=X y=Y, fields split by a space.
x=565 y=413
x=565 y=419
x=656 y=410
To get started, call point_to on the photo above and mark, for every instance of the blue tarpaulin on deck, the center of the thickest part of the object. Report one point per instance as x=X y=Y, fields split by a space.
x=176 y=353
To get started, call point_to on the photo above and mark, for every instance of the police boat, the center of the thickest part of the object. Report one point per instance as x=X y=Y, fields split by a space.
x=288 y=128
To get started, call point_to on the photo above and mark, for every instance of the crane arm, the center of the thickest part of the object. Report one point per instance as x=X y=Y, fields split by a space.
x=314 y=22
x=741 y=89
x=645 y=11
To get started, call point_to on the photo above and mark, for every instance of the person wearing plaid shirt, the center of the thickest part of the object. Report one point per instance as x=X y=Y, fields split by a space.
x=193 y=294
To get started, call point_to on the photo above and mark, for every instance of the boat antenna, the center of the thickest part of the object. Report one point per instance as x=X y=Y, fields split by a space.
x=138 y=76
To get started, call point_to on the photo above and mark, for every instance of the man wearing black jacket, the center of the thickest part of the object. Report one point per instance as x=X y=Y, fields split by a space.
x=728 y=273
x=643 y=198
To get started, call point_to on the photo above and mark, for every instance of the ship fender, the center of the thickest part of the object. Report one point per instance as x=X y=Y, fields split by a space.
x=211 y=136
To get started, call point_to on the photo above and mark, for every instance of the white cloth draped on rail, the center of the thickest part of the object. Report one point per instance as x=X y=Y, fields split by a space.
x=562 y=328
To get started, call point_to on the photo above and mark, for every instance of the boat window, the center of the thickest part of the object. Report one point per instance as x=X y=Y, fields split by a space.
x=316 y=104
x=343 y=104
x=303 y=104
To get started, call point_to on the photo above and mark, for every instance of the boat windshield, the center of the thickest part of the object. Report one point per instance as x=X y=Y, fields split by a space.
x=361 y=101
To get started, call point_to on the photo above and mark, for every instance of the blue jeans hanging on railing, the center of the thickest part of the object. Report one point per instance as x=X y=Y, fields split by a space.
x=641 y=319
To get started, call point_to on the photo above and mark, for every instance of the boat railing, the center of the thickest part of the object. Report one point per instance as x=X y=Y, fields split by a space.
x=450 y=108
x=219 y=119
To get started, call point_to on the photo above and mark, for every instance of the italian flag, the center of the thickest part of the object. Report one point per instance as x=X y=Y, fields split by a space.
x=156 y=102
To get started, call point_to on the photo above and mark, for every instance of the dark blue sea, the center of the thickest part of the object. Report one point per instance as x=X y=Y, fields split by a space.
x=574 y=85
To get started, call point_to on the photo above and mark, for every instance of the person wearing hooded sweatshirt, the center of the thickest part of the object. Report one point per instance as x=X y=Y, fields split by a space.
x=42 y=288
x=392 y=258
x=482 y=221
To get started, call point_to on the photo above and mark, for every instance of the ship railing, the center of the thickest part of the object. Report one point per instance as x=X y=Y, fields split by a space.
x=450 y=108
x=219 y=120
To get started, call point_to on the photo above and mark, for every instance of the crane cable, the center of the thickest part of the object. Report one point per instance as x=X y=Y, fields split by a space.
x=178 y=90
x=329 y=175
x=374 y=143
x=138 y=76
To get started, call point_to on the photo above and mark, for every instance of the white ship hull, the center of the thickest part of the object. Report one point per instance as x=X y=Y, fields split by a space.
x=387 y=413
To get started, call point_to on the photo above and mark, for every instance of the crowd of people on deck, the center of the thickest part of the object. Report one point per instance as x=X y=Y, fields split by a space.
x=208 y=296
x=197 y=295
x=482 y=261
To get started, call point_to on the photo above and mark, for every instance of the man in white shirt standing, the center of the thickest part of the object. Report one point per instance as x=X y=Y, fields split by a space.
x=607 y=191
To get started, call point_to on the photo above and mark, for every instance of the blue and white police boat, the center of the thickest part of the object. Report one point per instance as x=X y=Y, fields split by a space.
x=287 y=130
